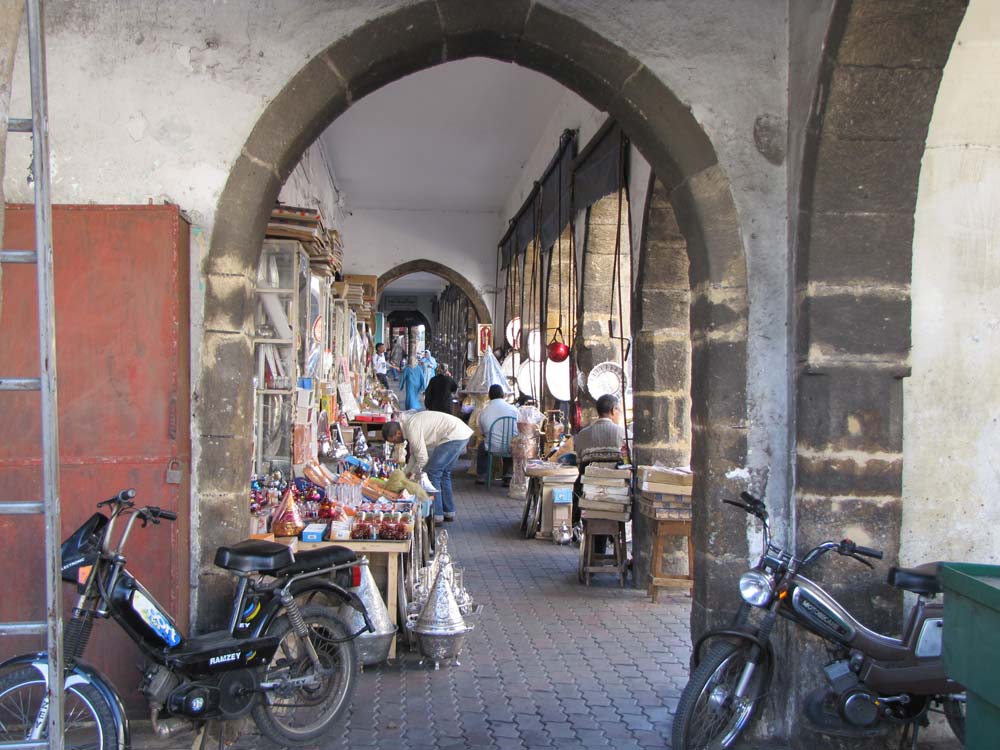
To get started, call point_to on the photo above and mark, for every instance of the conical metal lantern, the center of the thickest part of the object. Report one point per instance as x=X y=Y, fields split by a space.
x=440 y=627
x=373 y=647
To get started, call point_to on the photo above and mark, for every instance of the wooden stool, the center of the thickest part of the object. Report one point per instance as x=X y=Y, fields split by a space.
x=593 y=562
x=656 y=578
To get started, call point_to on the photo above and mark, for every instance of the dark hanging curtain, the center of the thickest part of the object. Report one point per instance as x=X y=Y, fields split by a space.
x=524 y=228
x=547 y=208
x=506 y=249
x=598 y=170
x=556 y=191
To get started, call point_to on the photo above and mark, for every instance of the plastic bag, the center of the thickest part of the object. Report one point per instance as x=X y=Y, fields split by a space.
x=488 y=373
x=397 y=482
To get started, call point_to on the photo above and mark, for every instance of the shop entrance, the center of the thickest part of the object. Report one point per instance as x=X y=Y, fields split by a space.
x=695 y=199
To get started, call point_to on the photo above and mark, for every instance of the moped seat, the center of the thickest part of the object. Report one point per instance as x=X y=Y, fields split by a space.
x=314 y=559
x=254 y=556
x=922 y=579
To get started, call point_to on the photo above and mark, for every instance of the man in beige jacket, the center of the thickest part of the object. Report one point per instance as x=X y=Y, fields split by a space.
x=436 y=441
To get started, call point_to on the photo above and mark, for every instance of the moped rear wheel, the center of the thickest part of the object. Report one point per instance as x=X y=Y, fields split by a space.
x=300 y=714
x=87 y=720
x=954 y=712
x=709 y=716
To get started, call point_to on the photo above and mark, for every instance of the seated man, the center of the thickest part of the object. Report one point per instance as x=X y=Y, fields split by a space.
x=605 y=433
x=493 y=411
x=436 y=441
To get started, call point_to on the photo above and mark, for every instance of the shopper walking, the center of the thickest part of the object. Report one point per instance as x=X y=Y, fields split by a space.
x=436 y=441
x=412 y=384
x=381 y=366
x=437 y=397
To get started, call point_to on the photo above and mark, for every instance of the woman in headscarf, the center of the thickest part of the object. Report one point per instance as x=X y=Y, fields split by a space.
x=430 y=365
x=412 y=384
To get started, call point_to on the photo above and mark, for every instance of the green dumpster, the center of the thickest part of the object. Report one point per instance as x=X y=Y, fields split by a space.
x=972 y=646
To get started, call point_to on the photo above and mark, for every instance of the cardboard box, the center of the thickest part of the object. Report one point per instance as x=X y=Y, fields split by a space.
x=562 y=495
x=315 y=532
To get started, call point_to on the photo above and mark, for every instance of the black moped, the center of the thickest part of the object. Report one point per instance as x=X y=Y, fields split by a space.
x=871 y=680
x=284 y=658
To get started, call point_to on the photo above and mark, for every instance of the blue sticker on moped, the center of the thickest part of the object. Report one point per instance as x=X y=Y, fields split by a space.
x=152 y=616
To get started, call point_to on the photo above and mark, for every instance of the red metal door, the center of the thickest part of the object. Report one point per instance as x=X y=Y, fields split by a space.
x=122 y=337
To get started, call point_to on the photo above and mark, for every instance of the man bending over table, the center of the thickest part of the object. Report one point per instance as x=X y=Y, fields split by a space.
x=436 y=441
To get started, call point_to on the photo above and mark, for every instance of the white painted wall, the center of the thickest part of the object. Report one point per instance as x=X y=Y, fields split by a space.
x=312 y=185
x=376 y=240
x=951 y=446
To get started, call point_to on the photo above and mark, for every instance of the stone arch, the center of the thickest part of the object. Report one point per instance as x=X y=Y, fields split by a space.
x=853 y=266
x=418 y=36
x=448 y=274
x=878 y=82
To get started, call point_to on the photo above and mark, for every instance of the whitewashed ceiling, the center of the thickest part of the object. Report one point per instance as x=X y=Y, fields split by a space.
x=453 y=137
x=416 y=283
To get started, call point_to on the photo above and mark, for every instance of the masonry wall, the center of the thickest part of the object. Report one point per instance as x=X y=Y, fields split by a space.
x=154 y=102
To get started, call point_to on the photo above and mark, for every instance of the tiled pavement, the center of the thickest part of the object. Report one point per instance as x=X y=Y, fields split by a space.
x=550 y=664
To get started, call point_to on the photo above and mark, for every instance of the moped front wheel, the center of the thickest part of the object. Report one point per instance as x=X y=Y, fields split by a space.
x=709 y=715
x=87 y=720
x=303 y=710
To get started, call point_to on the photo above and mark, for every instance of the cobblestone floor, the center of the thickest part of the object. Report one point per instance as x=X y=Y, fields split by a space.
x=550 y=664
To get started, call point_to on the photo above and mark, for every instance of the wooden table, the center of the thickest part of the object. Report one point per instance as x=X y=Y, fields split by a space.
x=657 y=580
x=393 y=550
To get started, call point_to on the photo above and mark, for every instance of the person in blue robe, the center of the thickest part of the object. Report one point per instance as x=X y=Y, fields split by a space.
x=429 y=364
x=412 y=384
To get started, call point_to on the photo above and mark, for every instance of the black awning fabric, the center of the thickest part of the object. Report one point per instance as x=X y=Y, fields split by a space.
x=556 y=193
x=598 y=170
x=524 y=229
x=506 y=249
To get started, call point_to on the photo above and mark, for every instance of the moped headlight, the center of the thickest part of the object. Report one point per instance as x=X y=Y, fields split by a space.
x=756 y=588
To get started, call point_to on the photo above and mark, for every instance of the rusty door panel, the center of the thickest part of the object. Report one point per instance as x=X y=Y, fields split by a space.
x=122 y=337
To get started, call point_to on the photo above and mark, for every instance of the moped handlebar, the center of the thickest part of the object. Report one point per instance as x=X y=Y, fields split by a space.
x=156 y=513
x=122 y=498
x=847 y=547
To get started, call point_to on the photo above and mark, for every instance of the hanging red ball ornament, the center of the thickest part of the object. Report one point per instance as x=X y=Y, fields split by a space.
x=558 y=351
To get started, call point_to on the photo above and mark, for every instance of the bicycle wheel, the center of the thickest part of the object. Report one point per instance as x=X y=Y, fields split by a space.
x=709 y=717
x=299 y=714
x=87 y=720
x=954 y=712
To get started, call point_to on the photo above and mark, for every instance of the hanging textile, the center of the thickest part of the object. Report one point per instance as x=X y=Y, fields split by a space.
x=599 y=169
x=556 y=194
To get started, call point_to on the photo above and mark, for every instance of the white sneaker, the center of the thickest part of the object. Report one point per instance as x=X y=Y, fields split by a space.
x=438 y=519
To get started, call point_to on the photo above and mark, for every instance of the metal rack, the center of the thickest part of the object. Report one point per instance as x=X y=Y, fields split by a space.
x=41 y=256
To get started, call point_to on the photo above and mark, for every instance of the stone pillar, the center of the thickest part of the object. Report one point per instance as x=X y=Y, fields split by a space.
x=662 y=362
x=596 y=291
x=878 y=83
x=707 y=218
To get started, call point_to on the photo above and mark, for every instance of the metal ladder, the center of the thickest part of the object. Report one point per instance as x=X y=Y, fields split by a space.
x=51 y=626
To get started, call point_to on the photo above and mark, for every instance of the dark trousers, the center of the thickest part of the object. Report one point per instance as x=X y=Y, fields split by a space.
x=383 y=379
x=482 y=468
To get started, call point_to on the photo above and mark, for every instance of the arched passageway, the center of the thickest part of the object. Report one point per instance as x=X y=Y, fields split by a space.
x=426 y=265
x=426 y=34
